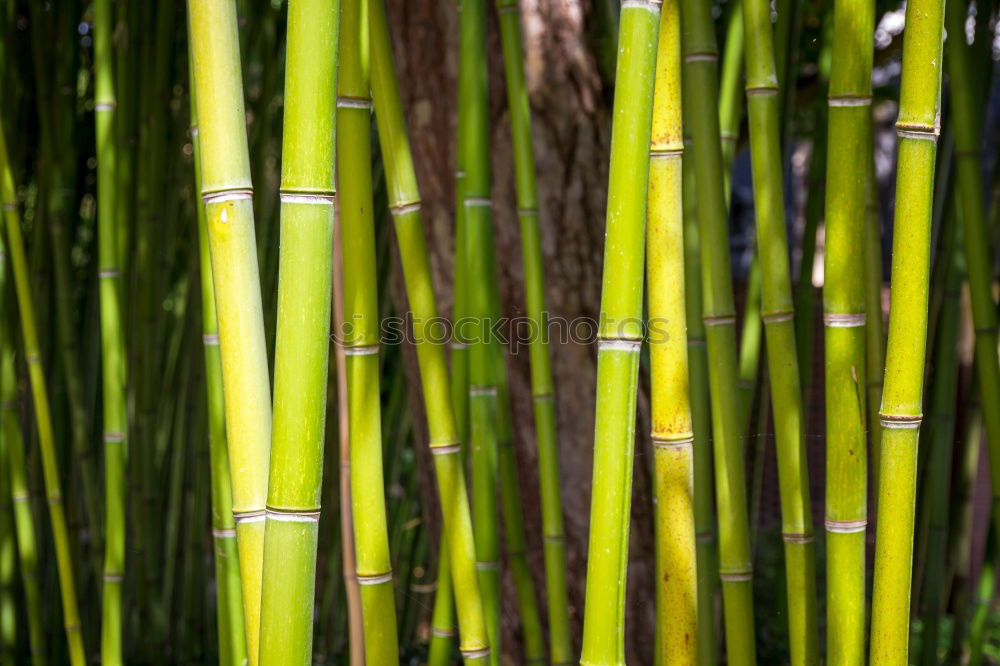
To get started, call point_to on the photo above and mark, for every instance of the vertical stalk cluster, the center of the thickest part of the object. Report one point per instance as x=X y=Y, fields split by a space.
x=112 y=342
x=619 y=335
x=900 y=415
x=672 y=436
x=844 y=318
x=735 y=571
x=361 y=335
x=228 y=197
x=302 y=345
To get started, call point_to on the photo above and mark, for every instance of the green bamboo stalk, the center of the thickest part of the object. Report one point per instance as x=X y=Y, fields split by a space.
x=672 y=435
x=700 y=72
x=902 y=397
x=938 y=443
x=730 y=90
x=302 y=347
x=479 y=262
x=542 y=389
x=849 y=126
x=620 y=335
x=777 y=313
x=227 y=194
x=112 y=343
x=229 y=603
x=965 y=114
x=43 y=418
x=24 y=524
x=701 y=418
x=361 y=335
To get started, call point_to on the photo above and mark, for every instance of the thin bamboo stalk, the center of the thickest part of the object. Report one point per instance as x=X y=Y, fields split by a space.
x=227 y=194
x=777 y=313
x=229 y=602
x=700 y=71
x=966 y=121
x=672 y=436
x=619 y=335
x=900 y=415
x=43 y=417
x=701 y=418
x=849 y=126
x=361 y=337
x=302 y=347
x=112 y=343
x=8 y=564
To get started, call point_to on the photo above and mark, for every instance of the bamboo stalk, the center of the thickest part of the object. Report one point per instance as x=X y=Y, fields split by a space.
x=302 y=345
x=700 y=71
x=229 y=603
x=777 y=313
x=701 y=418
x=112 y=344
x=672 y=435
x=620 y=335
x=227 y=194
x=8 y=555
x=849 y=126
x=900 y=415
x=967 y=125
x=43 y=417
x=361 y=337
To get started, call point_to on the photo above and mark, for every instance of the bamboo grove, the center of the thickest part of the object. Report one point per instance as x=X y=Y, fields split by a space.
x=279 y=382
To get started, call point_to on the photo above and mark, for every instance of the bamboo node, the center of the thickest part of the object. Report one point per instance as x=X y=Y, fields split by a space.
x=706 y=56
x=847 y=320
x=648 y=5
x=19 y=498
x=524 y=212
x=718 y=320
x=223 y=533
x=543 y=397
x=482 y=391
x=793 y=537
x=986 y=330
x=308 y=199
x=777 y=317
x=405 y=208
x=705 y=537
x=845 y=526
x=113 y=577
x=762 y=91
x=210 y=339
x=898 y=422
x=442 y=633
x=475 y=653
x=457 y=345
x=669 y=153
x=367 y=350
x=114 y=437
x=33 y=358
x=354 y=103
x=193 y=130
x=109 y=273
x=619 y=344
x=554 y=538
x=736 y=576
x=681 y=443
x=246 y=517
x=221 y=196
x=478 y=202
x=377 y=579
x=487 y=566
x=105 y=106
x=9 y=206
x=446 y=449
x=848 y=100
x=917 y=131
x=292 y=516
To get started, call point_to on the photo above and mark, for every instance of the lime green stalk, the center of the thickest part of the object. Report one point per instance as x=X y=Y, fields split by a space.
x=302 y=345
x=43 y=415
x=229 y=603
x=24 y=524
x=965 y=115
x=227 y=193
x=459 y=574
x=900 y=415
x=672 y=435
x=777 y=313
x=478 y=246
x=112 y=342
x=849 y=126
x=700 y=72
x=542 y=388
x=361 y=335
x=620 y=334
x=701 y=419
